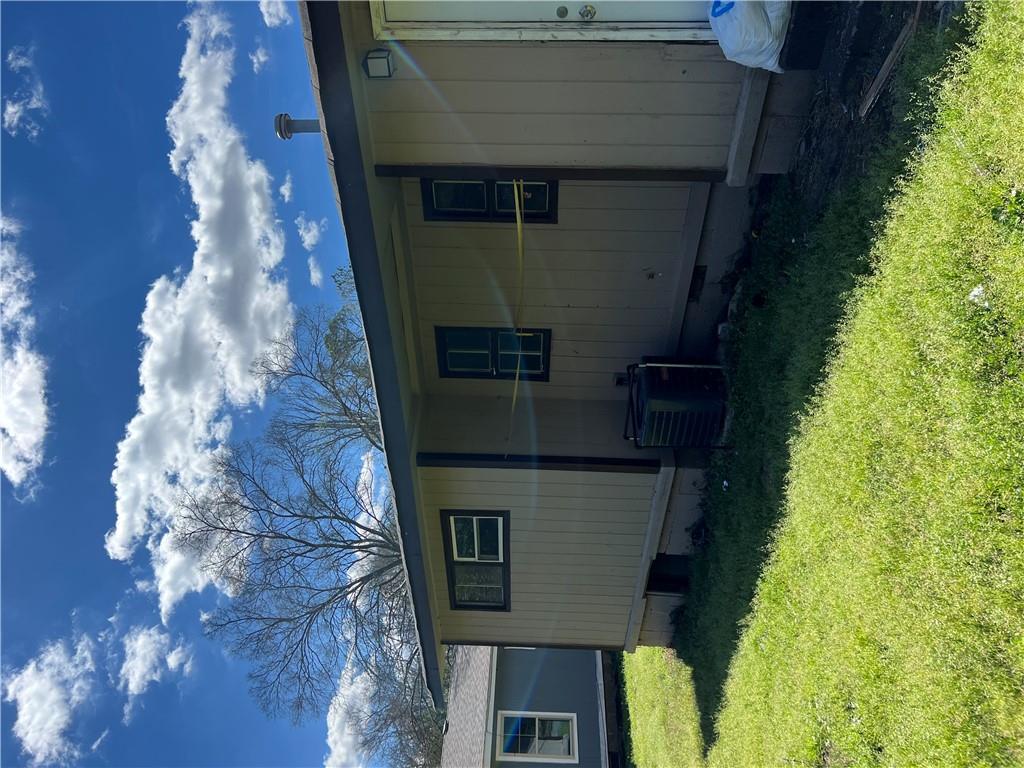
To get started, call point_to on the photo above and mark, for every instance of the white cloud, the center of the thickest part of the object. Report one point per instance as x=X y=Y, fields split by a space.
x=316 y=277
x=275 y=13
x=310 y=231
x=148 y=655
x=259 y=58
x=286 y=188
x=180 y=658
x=203 y=329
x=27 y=105
x=24 y=415
x=349 y=705
x=177 y=571
x=46 y=692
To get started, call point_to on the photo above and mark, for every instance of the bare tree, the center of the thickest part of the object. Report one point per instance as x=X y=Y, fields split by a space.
x=298 y=532
x=303 y=555
x=323 y=373
x=397 y=724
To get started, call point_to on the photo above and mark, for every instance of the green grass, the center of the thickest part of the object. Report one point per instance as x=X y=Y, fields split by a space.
x=887 y=625
x=805 y=266
x=664 y=726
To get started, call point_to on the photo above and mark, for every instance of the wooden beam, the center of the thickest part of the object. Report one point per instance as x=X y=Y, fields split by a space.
x=548 y=173
x=693 y=228
x=744 y=132
x=558 y=463
x=659 y=508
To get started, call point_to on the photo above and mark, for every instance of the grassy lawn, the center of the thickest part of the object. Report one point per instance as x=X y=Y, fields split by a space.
x=664 y=727
x=861 y=601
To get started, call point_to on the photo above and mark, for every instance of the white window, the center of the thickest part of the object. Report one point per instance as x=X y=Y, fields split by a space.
x=476 y=539
x=537 y=737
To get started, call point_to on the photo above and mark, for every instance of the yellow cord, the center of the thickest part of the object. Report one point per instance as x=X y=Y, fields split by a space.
x=518 y=188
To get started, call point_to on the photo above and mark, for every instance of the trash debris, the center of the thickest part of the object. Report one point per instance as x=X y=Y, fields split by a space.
x=751 y=32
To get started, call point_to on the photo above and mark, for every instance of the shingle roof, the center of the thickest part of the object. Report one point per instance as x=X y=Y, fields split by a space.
x=468 y=698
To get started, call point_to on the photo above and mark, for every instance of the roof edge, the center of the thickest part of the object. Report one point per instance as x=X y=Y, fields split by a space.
x=329 y=72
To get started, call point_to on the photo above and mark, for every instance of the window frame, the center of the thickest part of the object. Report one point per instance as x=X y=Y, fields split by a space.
x=501 y=754
x=494 y=339
x=451 y=562
x=476 y=540
x=492 y=214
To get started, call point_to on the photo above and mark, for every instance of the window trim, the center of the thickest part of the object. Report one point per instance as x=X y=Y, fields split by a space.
x=500 y=754
x=492 y=214
x=476 y=540
x=447 y=537
x=645 y=31
x=494 y=335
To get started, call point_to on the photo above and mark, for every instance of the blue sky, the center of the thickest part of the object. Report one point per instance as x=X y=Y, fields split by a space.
x=137 y=289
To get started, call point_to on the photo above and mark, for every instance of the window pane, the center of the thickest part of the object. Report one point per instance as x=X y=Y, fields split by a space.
x=464 y=540
x=467 y=339
x=535 y=197
x=532 y=342
x=512 y=341
x=466 y=196
x=518 y=735
x=530 y=347
x=469 y=361
x=479 y=596
x=554 y=737
x=487 y=532
x=528 y=364
x=467 y=349
x=478 y=575
x=479 y=584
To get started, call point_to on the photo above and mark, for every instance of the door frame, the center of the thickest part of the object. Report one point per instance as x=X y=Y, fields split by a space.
x=692 y=32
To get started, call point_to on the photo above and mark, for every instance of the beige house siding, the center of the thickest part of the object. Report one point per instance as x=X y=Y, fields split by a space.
x=541 y=426
x=588 y=104
x=575 y=548
x=608 y=280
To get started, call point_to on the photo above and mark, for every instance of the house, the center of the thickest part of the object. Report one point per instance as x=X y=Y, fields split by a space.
x=506 y=359
x=546 y=707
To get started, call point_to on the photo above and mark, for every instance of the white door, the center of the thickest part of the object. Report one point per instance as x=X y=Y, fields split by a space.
x=545 y=11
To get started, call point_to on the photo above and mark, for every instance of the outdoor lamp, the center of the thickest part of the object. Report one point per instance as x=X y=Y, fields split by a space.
x=377 y=63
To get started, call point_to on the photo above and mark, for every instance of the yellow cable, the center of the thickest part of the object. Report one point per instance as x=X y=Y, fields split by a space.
x=518 y=188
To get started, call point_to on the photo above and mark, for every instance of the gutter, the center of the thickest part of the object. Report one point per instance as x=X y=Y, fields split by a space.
x=602 y=722
x=328 y=68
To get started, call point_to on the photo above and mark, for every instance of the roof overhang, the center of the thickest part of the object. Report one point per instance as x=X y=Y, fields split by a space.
x=332 y=87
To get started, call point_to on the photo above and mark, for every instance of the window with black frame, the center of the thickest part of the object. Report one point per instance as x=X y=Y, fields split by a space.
x=493 y=353
x=488 y=200
x=476 y=546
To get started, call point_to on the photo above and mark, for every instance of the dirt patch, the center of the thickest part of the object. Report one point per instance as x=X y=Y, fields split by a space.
x=836 y=140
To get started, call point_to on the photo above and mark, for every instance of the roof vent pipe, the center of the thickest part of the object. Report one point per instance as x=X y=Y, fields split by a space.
x=285 y=127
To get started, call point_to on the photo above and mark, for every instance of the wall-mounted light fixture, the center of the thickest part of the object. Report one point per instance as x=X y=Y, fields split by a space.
x=378 y=63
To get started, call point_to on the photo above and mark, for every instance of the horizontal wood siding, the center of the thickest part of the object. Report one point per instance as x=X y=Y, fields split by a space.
x=605 y=279
x=545 y=426
x=588 y=104
x=576 y=540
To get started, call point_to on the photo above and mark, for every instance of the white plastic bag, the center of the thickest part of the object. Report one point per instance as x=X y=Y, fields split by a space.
x=751 y=32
